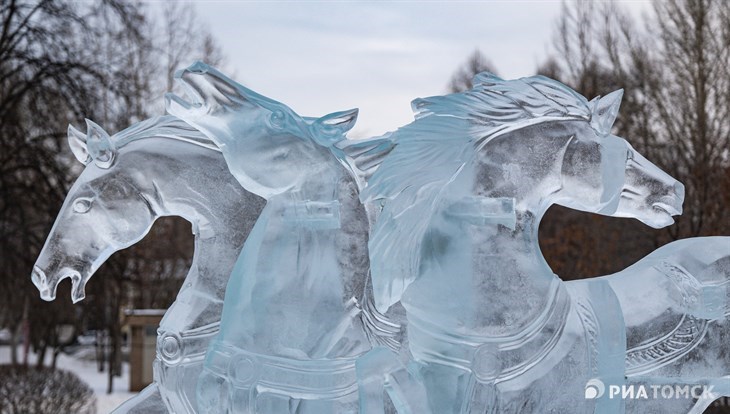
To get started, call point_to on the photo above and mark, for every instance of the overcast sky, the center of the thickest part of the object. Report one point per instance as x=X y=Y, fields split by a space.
x=323 y=56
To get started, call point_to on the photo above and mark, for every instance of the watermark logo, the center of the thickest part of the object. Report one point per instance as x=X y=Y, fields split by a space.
x=595 y=388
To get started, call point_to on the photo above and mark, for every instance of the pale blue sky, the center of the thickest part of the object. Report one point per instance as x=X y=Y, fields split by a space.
x=324 y=56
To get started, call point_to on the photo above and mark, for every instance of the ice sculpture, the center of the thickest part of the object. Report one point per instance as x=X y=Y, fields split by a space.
x=490 y=327
x=293 y=324
x=430 y=229
x=155 y=168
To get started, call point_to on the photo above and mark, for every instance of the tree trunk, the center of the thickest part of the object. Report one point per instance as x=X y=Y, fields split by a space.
x=117 y=349
x=56 y=351
x=110 y=383
x=99 y=347
x=26 y=334
x=14 y=345
x=41 y=356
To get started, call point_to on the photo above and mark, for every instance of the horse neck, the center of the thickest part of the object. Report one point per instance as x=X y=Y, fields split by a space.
x=504 y=230
x=202 y=191
x=526 y=198
x=335 y=209
x=332 y=188
x=321 y=249
x=498 y=221
x=322 y=185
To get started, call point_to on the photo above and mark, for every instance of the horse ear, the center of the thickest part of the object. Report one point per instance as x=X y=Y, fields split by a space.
x=337 y=123
x=99 y=144
x=605 y=111
x=77 y=142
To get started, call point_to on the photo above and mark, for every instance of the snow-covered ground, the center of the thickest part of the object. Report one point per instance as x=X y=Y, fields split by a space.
x=86 y=370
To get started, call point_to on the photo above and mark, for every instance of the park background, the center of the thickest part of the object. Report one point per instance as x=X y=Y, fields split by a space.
x=112 y=61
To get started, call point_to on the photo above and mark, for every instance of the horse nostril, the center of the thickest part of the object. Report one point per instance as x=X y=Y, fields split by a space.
x=39 y=278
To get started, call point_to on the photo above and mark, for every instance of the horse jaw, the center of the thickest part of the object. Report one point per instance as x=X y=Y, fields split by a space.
x=655 y=212
x=47 y=287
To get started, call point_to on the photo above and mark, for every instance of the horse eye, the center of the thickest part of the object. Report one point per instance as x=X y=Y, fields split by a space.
x=104 y=156
x=82 y=205
x=629 y=155
x=277 y=119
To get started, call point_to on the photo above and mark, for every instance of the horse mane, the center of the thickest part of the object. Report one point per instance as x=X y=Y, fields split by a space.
x=430 y=152
x=166 y=126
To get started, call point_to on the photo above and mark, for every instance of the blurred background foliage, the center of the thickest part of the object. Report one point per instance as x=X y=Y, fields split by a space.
x=111 y=61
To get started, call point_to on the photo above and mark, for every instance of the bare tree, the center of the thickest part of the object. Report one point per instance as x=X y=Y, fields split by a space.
x=687 y=89
x=179 y=40
x=48 y=76
x=476 y=63
x=676 y=79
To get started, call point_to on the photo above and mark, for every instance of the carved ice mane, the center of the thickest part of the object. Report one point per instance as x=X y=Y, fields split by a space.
x=429 y=153
x=166 y=126
x=96 y=145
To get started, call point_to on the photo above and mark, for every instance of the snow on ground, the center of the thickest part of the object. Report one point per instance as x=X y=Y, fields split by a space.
x=86 y=370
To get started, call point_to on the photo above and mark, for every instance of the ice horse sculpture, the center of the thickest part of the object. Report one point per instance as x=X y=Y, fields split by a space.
x=293 y=321
x=445 y=210
x=159 y=167
x=490 y=327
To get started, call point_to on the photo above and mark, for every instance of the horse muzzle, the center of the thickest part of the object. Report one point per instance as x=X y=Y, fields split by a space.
x=47 y=286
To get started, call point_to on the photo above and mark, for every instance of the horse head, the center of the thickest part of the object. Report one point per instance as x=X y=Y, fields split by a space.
x=103 y=212
x=602 y=173
x=281 y=149
x=548 y=141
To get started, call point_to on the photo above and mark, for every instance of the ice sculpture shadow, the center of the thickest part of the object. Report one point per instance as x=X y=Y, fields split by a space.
x=158 y=167
x=293 y=322
x=490 y=327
